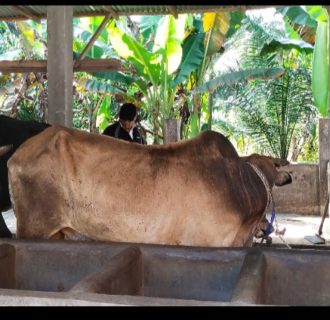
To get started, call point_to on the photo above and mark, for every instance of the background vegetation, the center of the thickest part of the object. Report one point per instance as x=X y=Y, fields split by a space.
x=249 y=75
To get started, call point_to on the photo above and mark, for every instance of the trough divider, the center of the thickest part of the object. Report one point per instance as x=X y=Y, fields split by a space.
x=250 y=285
x=123 y=275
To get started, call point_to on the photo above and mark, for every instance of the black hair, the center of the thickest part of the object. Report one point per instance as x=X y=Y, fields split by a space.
x=127 y=112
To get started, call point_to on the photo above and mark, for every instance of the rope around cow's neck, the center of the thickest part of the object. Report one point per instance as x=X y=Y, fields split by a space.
x=270 y=200
x=266 y=185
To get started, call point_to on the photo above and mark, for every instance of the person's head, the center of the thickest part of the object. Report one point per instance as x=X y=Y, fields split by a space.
x=127 y=116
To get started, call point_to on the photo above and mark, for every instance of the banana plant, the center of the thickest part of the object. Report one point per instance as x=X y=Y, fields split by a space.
x=159 y=70
x=154 y=69
x=217 y=28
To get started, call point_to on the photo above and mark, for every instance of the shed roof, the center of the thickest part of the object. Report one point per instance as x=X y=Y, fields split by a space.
x=40 y=12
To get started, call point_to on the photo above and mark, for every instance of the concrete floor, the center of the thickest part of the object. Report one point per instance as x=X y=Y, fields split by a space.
x=296 y=228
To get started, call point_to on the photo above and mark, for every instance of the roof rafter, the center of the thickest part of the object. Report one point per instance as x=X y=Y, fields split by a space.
x=111 y=11
x=26 y=13
x=173 y=11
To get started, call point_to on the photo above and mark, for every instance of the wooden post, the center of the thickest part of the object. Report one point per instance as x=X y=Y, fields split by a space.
x=171 y=130
x=60 y=64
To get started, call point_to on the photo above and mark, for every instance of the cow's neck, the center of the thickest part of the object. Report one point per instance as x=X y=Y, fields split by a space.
x=264 y=171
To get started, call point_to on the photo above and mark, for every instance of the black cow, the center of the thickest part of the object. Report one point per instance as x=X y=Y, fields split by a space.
x=12 y=132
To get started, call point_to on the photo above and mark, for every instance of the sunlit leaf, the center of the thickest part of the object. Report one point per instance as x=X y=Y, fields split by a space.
x=217 y=24
x=320 y=74
x=143 y=60
x=169 y=37
x=28 y=33
x=318 y=13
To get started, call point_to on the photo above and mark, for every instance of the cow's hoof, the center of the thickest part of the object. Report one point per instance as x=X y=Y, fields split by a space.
x=269 y=241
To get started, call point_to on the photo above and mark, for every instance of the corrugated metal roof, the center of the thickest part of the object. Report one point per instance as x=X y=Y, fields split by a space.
x=40 y=12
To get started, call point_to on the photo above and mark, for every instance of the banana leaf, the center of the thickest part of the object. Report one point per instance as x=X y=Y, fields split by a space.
x=235 y=22
x=148 y=28
x=318 y=13
x=168 y=41
x=234 y=77
x=286 y=44
x=217 y=24
x=298 y=15
x=28 y=34
x=99 y=86
x=145 y=62
x=114 y=76
x=194 y=129
x=192 y=56
x=320 y=73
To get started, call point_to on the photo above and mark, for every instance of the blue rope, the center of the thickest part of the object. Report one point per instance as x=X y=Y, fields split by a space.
x=270 y=224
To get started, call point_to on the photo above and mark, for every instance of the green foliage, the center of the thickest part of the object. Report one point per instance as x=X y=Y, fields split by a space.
x=160 y=81
x=298 y=15
x=272 y=112
x=194 y=128
x=236 y=18
x=243 y=75
x=315 y=17
x=106 y=113
x=193 y=53
x=320 y=77
x=148 y=27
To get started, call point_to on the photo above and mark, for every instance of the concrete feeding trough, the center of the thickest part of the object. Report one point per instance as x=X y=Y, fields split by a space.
x=97 y=273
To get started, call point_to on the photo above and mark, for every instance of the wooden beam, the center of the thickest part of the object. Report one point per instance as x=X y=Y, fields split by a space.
x=172 y=10
x=111 y=11
x=26 y=13
x=24 y=66
x=99 y=65
x=93 y=39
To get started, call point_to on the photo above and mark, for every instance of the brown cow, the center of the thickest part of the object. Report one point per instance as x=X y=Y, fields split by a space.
x=71 y=184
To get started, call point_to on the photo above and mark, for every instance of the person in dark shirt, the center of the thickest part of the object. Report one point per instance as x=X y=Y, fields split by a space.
x=125 y=128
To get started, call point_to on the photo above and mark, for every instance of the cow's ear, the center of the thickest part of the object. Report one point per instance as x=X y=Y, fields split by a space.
x=283 y=178
x=280 y=162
